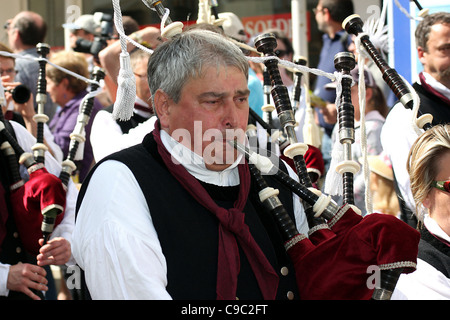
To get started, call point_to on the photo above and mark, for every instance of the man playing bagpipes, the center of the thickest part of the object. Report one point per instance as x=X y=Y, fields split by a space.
x=22 y=256
x=163 y=230
x=184 y=216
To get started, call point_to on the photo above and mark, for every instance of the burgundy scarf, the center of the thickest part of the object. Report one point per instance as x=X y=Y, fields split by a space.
x=231 y=228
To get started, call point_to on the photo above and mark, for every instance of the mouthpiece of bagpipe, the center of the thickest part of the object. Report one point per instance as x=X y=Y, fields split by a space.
x=332 y=262
x=78 y=134
x=354 y=25
x=37 y=204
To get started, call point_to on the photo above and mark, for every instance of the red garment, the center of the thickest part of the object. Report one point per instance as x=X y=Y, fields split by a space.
x=43 y=191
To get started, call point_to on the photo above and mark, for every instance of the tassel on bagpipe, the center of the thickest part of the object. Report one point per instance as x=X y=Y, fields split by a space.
x=37 y=204
x=41 y=118
x=354 y=25
x=344 y=62
x=336 y=266
x=78 y=135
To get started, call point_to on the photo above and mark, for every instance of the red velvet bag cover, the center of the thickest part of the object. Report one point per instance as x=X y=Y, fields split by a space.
x=43 y=191
x=337 y=268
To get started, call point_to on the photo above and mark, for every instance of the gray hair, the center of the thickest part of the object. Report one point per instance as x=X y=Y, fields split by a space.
x=186 y=56
x=424 y=27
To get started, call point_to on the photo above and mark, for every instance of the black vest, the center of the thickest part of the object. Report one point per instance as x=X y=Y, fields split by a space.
x=435 y=252
x=127 y=125
x=430 y=103
x=188 y=233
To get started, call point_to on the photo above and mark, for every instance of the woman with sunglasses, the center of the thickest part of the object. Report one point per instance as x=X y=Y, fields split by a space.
x=430 y=185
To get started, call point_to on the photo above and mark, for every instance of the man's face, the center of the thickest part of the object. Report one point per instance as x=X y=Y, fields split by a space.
x=319 y=15
x=11 y=31
x=436 y=59
x=74 y=35
x=7 y=69
x=140 y=73
x=212 y=109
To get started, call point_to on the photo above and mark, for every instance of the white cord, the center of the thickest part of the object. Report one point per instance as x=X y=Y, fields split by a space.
x=363 y=135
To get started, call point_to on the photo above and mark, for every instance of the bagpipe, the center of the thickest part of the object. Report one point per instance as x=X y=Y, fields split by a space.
x=78 y=135
x=340 y=239
x=342 y=249
x=38 y=202
x=402 y=90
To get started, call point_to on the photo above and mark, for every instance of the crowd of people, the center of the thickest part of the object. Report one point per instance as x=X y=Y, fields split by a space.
x=120 y=224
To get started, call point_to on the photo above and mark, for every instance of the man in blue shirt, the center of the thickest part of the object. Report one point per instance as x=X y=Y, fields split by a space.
x=329 y=15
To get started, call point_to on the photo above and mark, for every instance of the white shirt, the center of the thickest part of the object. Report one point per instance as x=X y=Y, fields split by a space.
x=398 y=136
x=107 y=136
x=436 y=85
x=426 y=283
x=115 y=241
x=65 y=228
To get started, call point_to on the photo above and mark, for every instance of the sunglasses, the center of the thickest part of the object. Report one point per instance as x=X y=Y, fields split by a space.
x=442 y=185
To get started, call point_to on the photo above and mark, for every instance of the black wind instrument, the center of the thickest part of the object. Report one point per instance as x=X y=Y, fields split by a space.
x=41 y=118
x=12 y=149
x=268 y=107
x=297 y=90
x=78 y=134
x=266 y=43
x=354 y=25
x=344 y=62
x=325 y=242
x=323 y=206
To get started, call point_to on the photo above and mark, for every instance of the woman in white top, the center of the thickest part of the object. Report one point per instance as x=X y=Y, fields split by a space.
x=430 y=185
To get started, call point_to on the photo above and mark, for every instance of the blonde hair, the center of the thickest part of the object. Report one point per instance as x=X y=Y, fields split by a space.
x=384 y=196
x=73 y=61
x=423 y=161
